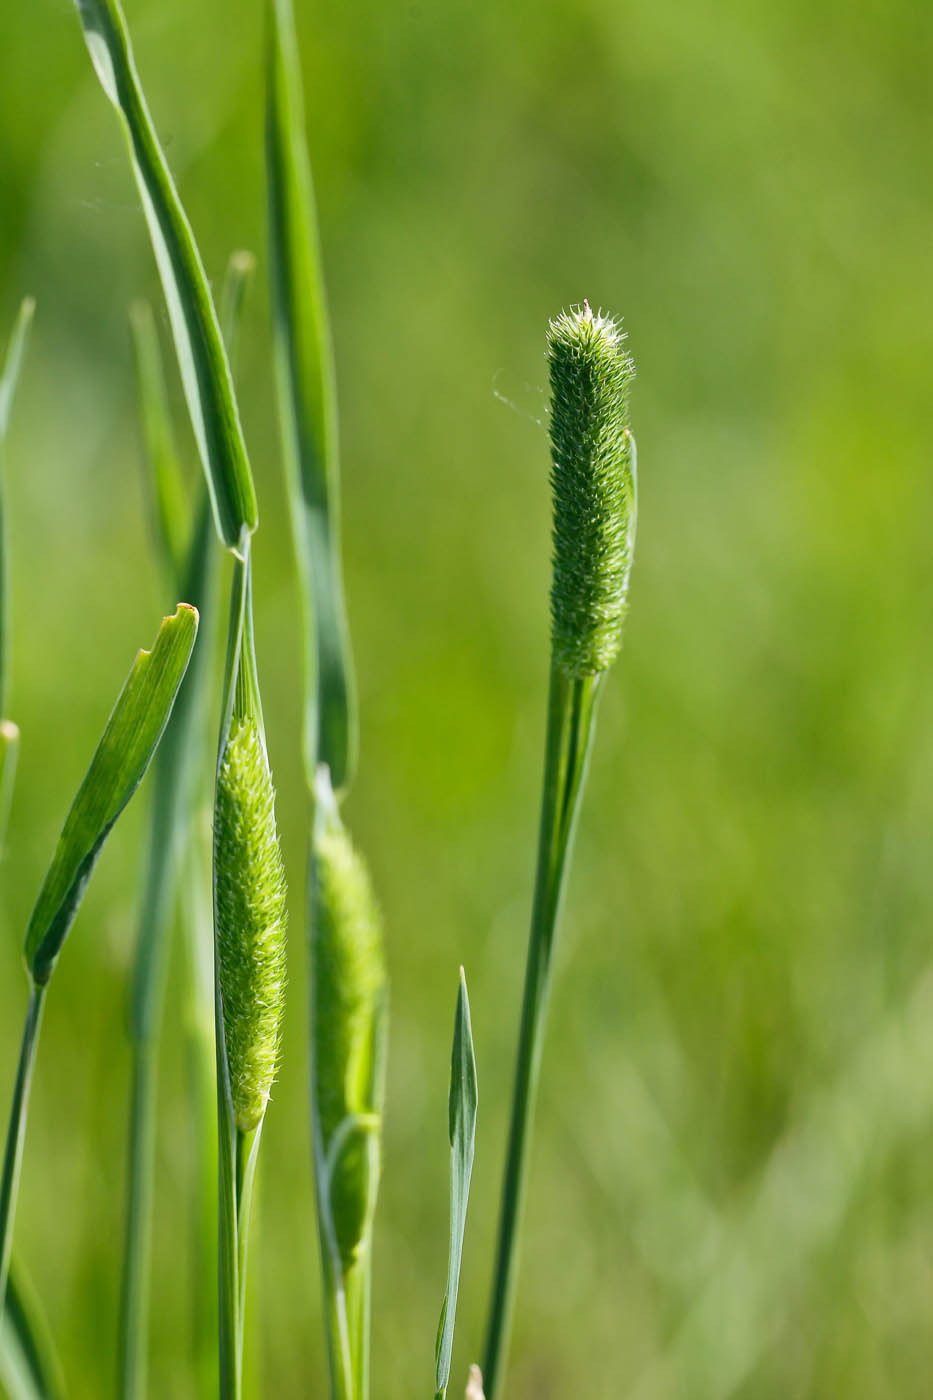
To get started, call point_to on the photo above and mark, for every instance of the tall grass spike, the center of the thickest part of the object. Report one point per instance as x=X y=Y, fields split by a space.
x=595 y=490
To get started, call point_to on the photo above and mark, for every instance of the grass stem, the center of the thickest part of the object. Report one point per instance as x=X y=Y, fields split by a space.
x=571 y=710
x=16 y=1133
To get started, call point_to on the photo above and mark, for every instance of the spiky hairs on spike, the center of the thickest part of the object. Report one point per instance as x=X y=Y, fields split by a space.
x=350 y=997
x=251 y=921
x=593 y=481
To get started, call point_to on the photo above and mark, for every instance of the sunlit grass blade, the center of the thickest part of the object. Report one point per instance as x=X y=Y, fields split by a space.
x=205 y=370
x=129 y=740
x=168 y=504
x=307 y=409
x=8 y=380
x=176 y=770
x=9 y=751
x=117 y=768
x=29 y=1366
x=462 y=1131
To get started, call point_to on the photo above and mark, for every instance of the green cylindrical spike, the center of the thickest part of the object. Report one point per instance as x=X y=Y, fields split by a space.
x=595 y=491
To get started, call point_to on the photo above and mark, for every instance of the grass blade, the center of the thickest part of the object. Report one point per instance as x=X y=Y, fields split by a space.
x=29 y=1366
x=117 y=768
x=205 y=370
x=241 y=266
x=307 y=410
x=462 y=1126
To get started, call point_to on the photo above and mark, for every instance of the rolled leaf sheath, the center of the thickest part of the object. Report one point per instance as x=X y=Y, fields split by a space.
x=251 y=921
x=594 y=485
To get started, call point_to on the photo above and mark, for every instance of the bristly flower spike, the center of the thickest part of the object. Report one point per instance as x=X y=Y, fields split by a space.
x=595 y=492
x=251 y=920
x=593 y=476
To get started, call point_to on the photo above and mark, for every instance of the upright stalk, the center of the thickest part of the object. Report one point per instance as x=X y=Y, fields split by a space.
x=571 y=710
x=16 y=1132
x=595 y=498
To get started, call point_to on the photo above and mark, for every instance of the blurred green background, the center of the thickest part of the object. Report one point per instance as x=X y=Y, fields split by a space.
x=732 y=1191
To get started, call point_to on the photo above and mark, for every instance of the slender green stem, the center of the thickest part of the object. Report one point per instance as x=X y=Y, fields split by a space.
x=228 y=1253
x=16 y=1133
x=571 y=710
x=134 y=1301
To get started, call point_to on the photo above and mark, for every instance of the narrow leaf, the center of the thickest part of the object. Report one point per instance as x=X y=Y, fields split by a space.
x=307 y=410
x=29 y=1366
x=122 y=757
x=462 y=1127
x=168 y=506
x=202 y=359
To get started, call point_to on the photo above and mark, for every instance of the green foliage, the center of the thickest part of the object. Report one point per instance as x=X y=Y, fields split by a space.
x=307 y=389
x=251 y=920
x=205 y=370
x=461 y=1114
x=29 y=1366
x=168 y=504
x=129 y=740
x=595 y=494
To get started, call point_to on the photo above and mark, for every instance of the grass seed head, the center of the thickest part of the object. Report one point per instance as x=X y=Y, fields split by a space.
x=349 y=1027
x=593 y=480
x=251 y=921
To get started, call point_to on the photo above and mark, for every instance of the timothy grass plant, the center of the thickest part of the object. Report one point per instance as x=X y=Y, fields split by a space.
x=594 y=484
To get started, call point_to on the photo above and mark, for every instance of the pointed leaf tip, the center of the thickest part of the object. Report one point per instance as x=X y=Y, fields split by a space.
x=129 y=740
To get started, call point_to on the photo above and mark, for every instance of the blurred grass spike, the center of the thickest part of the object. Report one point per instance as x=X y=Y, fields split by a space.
x=9 y=377
x=307 y=390
x=349 y=1011
x=461 y=1112
x=129 y=740
x=202 y=360
x=594 y=483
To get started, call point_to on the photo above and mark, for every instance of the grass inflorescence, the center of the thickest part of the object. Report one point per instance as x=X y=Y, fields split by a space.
x=593 y=481
x=251 y=920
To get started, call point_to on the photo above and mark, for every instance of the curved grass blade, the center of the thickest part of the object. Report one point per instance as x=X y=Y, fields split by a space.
x=462 y=1127
x=122 y=757
x=11 y=368
x=307 y=410
x=168 y=505
x=29 y=1365
x=205 y=370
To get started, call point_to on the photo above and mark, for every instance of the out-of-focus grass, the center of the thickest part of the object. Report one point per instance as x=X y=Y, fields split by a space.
x=737 y=1116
